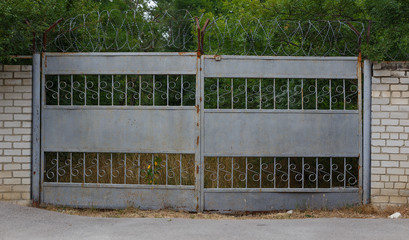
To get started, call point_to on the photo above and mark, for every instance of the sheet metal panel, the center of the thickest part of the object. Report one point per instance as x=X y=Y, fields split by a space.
x=119 y=130
x=120 y=63
x=269 y=201
x=111 y=196
x=281 y=67
x=301 y=133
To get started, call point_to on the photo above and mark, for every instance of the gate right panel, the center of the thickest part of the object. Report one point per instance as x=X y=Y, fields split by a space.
x=280 y=132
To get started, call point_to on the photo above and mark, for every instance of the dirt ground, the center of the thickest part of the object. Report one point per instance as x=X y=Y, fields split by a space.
x=367 y=211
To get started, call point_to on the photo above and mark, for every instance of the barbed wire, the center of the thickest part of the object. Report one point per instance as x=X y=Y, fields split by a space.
x=141 y=31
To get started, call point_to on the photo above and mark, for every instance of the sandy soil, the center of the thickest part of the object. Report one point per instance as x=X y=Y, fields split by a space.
x=367 y=211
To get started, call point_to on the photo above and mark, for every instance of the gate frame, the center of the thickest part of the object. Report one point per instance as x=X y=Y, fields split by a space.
x=364 y=110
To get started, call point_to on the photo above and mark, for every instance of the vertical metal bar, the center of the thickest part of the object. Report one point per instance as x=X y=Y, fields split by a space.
x=217 y=173
x=58 y=90
x=345 y=172
x=232 y=97
x=153 y=168
x=56 y=169
x=37 y=153
x=360 y=143
x=343 y=87
x=125 y=168
x=180 y=170
x=367 y=132
x=126 y=90
x=302 y=174
x=200 y=80
x=99 y=92
x=97 y=167
x=330 y=172
x=330 y=95
x=245 y=92
x=112 y=90
x=275 y=176
x=316 y=172
x=316 y=94
x=260 y=96
x=232 y=171
x=85 y=90
x=246 y=165
x=153 y=90
x=140 y=90
x=166 y=168
x=217 y=92
x=181 y=90
x=83 y=172
x=71 y=167
x=261 y=163
x=302 y=95
x=288 y=171
x=288 y=93
x=111 y=169
x=274 y=96
x=167 y=91
x=72 y=90
x=139 y=168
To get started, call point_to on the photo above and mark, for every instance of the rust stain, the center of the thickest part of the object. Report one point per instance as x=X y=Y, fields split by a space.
x=197 y=108
x=197 y=169
x=201 y=99
x=45 y=62
x=197 y=140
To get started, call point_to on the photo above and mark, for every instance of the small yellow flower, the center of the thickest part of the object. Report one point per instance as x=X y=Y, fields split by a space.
x=149 y=166
x=156 y=163
x=150 y=181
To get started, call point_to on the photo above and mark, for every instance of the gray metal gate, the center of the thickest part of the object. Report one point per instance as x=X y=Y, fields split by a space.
x=225 y=133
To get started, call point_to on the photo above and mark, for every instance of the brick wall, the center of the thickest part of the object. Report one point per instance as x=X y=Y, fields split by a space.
x=390 y=130
x=15 y=132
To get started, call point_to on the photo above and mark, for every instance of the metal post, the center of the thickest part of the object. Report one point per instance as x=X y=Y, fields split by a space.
x=35 y=172
x=367 y=132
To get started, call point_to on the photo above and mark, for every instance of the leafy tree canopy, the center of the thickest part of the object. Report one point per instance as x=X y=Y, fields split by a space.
x=389 y=39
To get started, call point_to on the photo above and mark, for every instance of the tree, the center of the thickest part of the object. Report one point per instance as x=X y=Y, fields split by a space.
x=388 y=36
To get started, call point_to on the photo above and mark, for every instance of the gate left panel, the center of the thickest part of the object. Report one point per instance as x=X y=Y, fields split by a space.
x=119 y=130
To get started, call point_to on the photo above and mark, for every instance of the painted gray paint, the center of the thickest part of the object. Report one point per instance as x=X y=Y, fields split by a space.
x=281 y=67
x=269 y=201
x=119 y=130
x=111 y=196
x=296 y=133
x=195 y=130
x=131 y=63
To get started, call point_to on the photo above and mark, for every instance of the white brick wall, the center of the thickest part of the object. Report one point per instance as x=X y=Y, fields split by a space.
x=390 y=128
x=15 y=133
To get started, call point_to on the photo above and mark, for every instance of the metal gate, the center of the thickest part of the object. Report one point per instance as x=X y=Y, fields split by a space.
x=224 y=133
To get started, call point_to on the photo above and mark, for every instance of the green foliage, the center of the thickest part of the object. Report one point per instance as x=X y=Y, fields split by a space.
x=390 y=30
x=389 y=38
x=19 y=19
